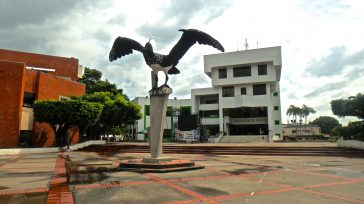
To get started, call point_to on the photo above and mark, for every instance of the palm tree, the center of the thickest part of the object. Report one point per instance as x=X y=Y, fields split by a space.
x=306 y=111
x=293 y=111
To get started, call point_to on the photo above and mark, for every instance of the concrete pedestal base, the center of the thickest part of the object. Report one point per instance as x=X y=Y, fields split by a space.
x=157 y=160
x=158 y=165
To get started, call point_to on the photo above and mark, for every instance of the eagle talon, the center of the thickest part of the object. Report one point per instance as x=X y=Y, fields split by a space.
x=153 y=89
x=163 y=86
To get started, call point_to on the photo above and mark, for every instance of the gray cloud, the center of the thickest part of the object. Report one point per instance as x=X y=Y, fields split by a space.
x=19 y=12
x=326 y=88
x=181 y=12
x=330 y=65
x=334 y=63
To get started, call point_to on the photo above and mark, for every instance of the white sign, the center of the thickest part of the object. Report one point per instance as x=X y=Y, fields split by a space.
x=175 y=119
x=187 y=135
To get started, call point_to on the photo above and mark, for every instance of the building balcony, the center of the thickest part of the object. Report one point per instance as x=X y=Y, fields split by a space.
x=205 y=107
x=246 y=100
x=209 y=121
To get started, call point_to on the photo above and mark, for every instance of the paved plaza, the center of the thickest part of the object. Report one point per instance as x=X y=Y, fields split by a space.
x=89 y=177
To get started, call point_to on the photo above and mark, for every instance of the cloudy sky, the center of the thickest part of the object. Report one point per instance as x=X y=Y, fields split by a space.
x=322 y=41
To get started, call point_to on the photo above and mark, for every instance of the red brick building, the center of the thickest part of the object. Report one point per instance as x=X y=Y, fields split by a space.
x=25 y=77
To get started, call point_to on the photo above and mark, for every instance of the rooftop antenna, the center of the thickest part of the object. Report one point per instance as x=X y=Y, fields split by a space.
x=257 y=45
x=237 y=46
x=246 y=45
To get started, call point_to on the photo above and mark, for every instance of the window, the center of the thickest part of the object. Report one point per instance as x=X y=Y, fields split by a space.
x=242 y=71
x=228 y=91
x=276 y=122
x=262 y=69
x=222 y=73
x=28 y=99
x=275 y=94
x=211 y=101
x=259 y=89
x=243 y=91
x=276 y=108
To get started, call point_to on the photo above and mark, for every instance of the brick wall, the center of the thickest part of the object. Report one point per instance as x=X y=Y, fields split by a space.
x=15 y=79
x=31 y=81
x=51 y=87
x=66 y=67
x=12 y=80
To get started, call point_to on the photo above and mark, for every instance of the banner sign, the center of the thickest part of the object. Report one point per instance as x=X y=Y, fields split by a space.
x=193 y=135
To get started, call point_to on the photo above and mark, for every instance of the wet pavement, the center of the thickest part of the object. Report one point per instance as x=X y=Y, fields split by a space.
x=89 y=177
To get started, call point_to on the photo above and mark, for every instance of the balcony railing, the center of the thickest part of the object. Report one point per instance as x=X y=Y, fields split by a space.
x=209 y=106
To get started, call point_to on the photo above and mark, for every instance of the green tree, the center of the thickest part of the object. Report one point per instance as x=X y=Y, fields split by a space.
x=92 y=79
x=353 y=131
x=63 y=115
x=117 y=112
x=353 y=106
x=326 y=123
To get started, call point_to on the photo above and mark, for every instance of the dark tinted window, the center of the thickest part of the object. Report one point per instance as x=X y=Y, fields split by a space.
x=262 y=69
x=243 y=91
x=228 y=91
x=259 y=89
x=29 y=99
x=222 y=73
x=242 y=71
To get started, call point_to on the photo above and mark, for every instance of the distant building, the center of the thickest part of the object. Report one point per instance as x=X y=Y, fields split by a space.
x=26 y=77
x=301 y=132
x=176 y=108
x=243 y=102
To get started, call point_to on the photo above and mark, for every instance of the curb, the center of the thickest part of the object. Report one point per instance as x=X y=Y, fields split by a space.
x=14 y=151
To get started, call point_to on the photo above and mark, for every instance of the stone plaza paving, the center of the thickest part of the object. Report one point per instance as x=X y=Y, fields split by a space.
x=89 y=177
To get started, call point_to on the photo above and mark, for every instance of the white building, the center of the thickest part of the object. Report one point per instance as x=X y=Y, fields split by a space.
x=244 y=100
x=175 y=107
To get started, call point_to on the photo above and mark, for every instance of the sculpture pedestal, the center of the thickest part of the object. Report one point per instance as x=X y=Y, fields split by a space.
x=158 y=163
x=158 y=110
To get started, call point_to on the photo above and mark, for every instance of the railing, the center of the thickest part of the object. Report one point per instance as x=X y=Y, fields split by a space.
x=203 y=107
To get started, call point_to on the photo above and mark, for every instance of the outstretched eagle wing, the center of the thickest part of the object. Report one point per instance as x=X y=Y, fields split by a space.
x=123 y=46
x=189 y=38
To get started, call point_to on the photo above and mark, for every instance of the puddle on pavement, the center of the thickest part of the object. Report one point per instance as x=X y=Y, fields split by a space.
x=31 y=198
x=209 y=191
x=248 y=171
x=87 y=178
x=89 y=174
